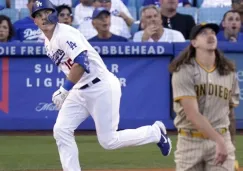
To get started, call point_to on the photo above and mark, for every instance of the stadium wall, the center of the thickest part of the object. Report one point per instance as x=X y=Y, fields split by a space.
x=28 y=78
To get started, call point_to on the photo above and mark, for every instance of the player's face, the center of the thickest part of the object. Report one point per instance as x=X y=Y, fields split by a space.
x=65 y=17
x=232 y=23
x=41 y=20
x=4 y=31
x=102 y=23
x=206 y=40
x=152 y=17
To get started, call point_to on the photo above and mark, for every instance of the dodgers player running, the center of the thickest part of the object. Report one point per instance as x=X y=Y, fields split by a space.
x=88 y=89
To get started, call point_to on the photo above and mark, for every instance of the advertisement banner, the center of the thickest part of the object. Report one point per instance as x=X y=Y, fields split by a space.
x=29 y=83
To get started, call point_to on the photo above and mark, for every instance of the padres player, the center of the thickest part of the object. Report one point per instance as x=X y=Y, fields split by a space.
x=204 y=88
x=89 y=89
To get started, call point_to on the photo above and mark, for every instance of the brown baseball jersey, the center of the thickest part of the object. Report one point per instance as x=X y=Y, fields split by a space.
x=214 y=94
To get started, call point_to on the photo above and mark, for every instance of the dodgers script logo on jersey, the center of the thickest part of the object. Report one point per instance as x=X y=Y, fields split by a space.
x=4 y=77
x=57 y=56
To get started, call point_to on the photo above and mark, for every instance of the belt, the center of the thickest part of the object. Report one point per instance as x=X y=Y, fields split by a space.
x=96 y=80
x=197 y=134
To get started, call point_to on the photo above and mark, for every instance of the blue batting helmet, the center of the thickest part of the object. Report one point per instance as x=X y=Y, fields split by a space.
x=42 y=5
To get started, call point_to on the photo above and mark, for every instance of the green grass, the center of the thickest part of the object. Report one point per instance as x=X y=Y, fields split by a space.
x=40 y=152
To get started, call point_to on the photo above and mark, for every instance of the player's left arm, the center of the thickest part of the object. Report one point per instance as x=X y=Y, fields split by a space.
x=234 y=102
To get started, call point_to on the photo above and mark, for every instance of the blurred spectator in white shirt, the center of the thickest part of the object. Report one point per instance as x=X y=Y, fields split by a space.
x=216 y=3
x=153 y=28
x=22 y=3
x=83 y=11
x=118 y=24
x=117 y=8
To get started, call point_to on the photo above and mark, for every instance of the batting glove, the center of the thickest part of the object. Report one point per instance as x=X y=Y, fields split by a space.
x=59 y=96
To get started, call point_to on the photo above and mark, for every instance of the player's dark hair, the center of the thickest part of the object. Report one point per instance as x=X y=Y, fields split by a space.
x=10 y=25
x=223 y=65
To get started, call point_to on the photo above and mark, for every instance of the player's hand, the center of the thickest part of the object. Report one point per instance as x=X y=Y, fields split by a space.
x=59 y=96
x=221 y=152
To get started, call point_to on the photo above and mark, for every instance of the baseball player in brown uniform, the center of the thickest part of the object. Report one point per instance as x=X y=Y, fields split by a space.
x=205 y=89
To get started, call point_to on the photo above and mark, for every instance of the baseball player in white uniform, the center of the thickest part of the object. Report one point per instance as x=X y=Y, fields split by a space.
x=89 y=89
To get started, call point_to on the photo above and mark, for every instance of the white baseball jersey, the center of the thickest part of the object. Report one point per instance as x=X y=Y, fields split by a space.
x=168 y=35
x=65 y=45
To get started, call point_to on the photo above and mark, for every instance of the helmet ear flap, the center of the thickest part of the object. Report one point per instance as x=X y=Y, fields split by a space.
x=52 y=18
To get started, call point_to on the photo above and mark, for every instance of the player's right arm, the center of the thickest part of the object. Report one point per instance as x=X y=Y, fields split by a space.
x=184 y=93
x=78 y=60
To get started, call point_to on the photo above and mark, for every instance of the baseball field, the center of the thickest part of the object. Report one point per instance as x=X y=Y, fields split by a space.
x=39 y=153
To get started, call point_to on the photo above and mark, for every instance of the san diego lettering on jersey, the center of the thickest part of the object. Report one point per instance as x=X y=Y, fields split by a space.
x=213 y=90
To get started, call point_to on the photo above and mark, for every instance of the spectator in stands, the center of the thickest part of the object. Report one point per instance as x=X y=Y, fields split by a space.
x=83 y=11
x=6 y=29
x=182 y=3
x=238 y=6
x=153 y=28
x=65 y=14
x=96 y=4
x=119 y=11
x=102 y=22
x=118 y=24
x=173 y=20
x=22 y=3
x=231 y=24
x=215 y=3
x=25 y=29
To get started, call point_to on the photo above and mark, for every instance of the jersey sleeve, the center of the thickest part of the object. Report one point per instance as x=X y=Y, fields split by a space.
x=73 y=44
x=183 y=84
x=235 y=93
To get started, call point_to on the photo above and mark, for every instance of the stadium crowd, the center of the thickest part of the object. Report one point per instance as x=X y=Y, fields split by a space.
x=126 y=20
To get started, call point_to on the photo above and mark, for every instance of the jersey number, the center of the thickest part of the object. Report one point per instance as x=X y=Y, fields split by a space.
x=69 y=63
x=71 y=44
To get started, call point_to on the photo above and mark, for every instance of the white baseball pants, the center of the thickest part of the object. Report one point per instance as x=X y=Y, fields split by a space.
x=102 y=102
